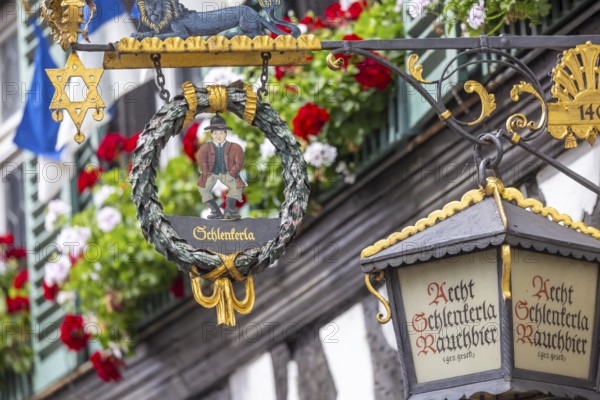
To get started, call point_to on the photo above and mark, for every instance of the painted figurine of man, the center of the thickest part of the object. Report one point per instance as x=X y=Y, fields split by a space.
x=223 y=161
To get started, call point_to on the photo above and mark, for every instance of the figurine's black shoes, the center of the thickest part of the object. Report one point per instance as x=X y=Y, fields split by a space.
x=215 y=211
x=231 y=210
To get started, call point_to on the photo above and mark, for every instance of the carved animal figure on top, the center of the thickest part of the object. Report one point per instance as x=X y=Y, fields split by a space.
x=169 y=18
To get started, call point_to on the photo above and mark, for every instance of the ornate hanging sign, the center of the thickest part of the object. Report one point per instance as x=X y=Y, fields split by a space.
x=224 y=248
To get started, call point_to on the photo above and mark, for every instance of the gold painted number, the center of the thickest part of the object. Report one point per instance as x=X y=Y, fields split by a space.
x=588 y=112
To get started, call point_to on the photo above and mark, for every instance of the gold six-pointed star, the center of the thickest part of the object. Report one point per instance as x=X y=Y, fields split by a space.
x=77 y=110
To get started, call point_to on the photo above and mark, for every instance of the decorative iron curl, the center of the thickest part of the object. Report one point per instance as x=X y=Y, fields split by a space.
x=437 y=106
x=456 y=125
x=515 y=122
x=157 y=229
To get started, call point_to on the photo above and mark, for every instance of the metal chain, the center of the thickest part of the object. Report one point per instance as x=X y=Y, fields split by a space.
x=488 y=166
x=160 y=78
x=264 y=77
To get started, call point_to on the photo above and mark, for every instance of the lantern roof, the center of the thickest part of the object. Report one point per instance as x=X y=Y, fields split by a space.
x=483 y=218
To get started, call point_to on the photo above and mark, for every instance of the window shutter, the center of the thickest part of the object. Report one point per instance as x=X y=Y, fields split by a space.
x=52 y=360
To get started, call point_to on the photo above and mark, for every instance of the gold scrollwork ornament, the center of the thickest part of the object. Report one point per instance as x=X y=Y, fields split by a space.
x=416 y=71
x=518 y=122
x=488 y=101
x=379 y=277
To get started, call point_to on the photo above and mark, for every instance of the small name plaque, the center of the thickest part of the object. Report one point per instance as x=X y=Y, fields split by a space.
x=225 y=237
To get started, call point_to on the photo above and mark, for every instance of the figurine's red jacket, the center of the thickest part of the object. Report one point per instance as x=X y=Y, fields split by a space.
x=234 y=162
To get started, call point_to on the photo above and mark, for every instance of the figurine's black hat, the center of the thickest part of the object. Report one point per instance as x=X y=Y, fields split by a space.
x=217 y=123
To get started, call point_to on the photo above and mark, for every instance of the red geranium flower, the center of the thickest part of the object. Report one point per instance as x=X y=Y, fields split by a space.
x=319 y=24
x=190 y=141
x=279 y=73
x=356 y=9
x=238 y=204
x=111 y=146
x=50 y=292
x=18 y=253
x=20 y=279
x=19 y=303
x=309 y=120
x=312 y=23
x=130 y=143
x=373 y=75
x=7 y=239
x=88 y=178
x=177 y=288
x=307 y=20
x=283 y=28
x=291 y=88
x=72 y=333
x=107 y=366
x=333 y=13
x=351 y=37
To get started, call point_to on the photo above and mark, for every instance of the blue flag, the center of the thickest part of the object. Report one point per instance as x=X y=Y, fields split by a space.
x=107 y=12
x=38 y=132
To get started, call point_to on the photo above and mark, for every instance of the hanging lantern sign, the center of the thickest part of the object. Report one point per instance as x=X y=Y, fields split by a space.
x=493 y=294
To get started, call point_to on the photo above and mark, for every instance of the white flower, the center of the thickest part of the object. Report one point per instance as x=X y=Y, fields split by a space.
x=221 y=76
x=318 y=154
x=219 y=188
x=72 y=240
x=108 y=218
x=65 y=296
x=2 y=267
x=303 y=28
x=417 y=8
x=50 y=220
x=59 y=207
x=234 y=138
x=101 y=194
x=97 y=266
x=267 y=150
x=477 y=15
x=116 y=350
x=94 y=276
x=465 y=30
x=56 y=273
x=90 y=319
x=398 y=6
x=56 y=208
x=343 y=169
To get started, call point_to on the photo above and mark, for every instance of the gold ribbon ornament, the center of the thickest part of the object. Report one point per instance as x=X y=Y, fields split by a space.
x=223 y=296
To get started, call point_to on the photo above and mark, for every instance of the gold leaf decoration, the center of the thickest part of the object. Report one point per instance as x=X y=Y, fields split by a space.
x=576 y=114
x=518 y=122
x=488 y=101
x=416 y=71
x=64 y=19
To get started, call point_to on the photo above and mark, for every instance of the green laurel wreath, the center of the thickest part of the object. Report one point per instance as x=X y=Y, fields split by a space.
x=157 y=229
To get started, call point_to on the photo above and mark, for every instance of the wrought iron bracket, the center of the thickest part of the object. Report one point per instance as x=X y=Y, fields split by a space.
x=496 y=47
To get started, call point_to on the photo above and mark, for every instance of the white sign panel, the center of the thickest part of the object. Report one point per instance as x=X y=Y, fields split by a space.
x=554 y=302
x=453 y=315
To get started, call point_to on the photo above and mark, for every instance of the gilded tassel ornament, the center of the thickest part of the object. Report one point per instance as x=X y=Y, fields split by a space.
x=223 y=296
